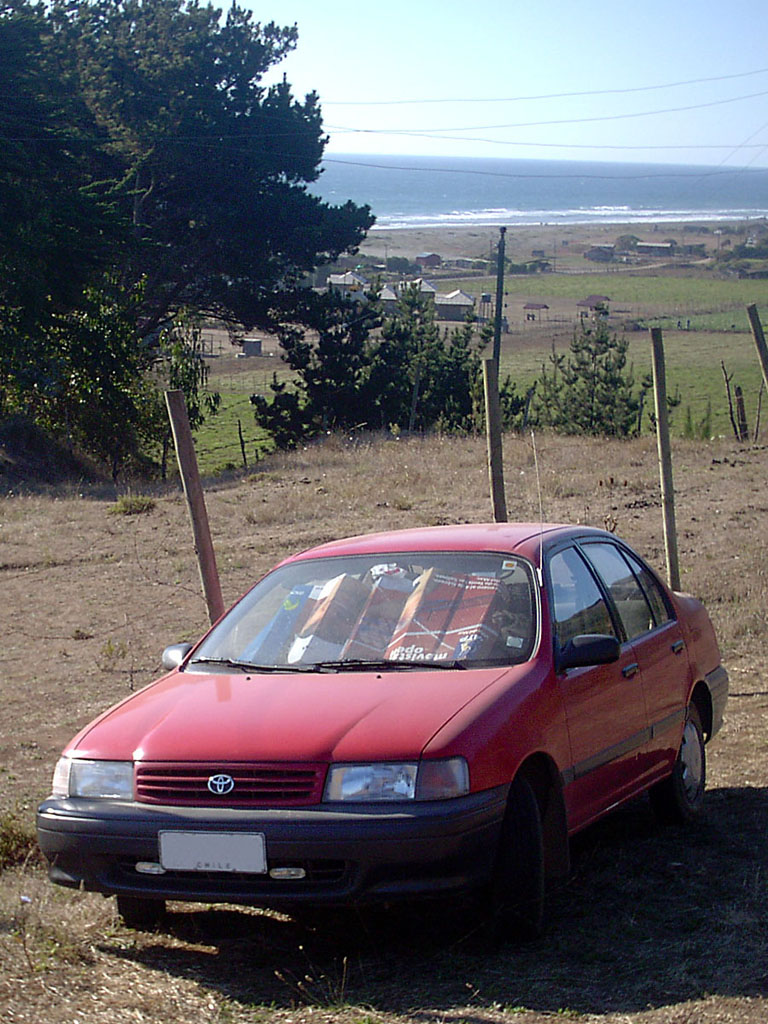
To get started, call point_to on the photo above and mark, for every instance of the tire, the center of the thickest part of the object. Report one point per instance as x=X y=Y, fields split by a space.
x=518 y=891
x=679 y=799
x=140 y=912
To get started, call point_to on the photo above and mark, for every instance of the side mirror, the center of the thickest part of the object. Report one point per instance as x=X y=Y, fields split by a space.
x=174 y=655
x=589 y=649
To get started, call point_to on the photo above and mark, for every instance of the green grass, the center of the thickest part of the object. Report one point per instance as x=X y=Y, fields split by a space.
x=693 y=370
x=719 y=332
x=17 y=841
x=217 y=442
x=131 y=505
x=675 y=295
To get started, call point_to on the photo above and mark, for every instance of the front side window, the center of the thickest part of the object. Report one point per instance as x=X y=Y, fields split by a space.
x=578 y=606
x=472 y=608
x=632 y=608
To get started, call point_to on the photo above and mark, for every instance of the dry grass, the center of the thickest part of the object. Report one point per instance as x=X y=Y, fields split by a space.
x=655 y=926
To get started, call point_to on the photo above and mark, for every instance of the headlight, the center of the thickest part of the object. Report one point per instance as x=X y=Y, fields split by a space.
x=93 y=779
x=427 y=780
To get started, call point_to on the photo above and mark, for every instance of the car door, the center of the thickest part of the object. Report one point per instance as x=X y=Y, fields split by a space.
x=604 y=704
x=648 y=622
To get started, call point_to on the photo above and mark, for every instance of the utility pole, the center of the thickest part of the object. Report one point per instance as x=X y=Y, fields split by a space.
x=499 y=298
x=491 y=390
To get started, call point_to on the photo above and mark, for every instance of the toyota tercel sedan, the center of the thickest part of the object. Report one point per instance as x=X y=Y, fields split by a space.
x=400 y=715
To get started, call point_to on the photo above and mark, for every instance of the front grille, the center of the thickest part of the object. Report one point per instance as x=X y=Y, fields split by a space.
x=255 y=785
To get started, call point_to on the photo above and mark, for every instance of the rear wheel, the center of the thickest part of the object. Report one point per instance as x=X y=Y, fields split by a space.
x=679 y=799
x=140 y=912
x=518 y=892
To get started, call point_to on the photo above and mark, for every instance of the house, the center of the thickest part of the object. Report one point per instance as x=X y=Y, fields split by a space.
x=656 y=248
x=600 y=253
x=471 y=263
x=595 y=304
x=388 y=299
x=425 y=289
x=349 y=283
x=454 y=305
x=430 y=260
x=251 y=346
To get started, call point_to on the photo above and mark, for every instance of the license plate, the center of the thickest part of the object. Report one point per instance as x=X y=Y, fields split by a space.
x=214 y=851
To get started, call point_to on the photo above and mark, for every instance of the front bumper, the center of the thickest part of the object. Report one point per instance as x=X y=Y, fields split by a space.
x=369 y=854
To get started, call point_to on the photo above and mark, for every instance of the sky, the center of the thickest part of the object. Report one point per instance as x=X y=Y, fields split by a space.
x=659 y=81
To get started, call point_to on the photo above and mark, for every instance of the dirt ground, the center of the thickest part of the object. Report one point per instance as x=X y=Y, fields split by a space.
x=656 y=926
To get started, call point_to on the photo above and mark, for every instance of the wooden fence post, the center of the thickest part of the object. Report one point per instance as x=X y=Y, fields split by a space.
x=193 y=492
x=493 y=439
x=665 y=458
x=757 y=334
x=741 y=414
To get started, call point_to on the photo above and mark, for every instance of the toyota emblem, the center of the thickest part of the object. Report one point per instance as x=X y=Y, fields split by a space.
x=221 y=784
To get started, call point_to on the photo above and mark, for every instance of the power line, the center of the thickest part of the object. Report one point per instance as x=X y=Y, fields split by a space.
x=542 y=96
x=696 y=173
x=549 y=124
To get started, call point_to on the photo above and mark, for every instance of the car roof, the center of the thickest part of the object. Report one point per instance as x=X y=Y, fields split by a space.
x=458 y=537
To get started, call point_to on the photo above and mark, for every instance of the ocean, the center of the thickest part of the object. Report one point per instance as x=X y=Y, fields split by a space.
x=428 y=192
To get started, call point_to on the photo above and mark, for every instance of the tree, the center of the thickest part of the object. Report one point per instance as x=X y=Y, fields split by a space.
x=214 y=167
x=58 y=224
x=409 y=374
x=591 y=390
x=99 y=397
x=144 y=163
x=330 y=370
x=181 y=367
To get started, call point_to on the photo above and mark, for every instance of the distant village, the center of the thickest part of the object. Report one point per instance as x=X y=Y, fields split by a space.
x=453 y=305
x=355 y=276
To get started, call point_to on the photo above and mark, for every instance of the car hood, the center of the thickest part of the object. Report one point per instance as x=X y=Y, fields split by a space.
x=348 y=716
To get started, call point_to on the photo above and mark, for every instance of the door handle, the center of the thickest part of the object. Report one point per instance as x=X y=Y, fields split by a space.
x=677 y=646
x=630 y=670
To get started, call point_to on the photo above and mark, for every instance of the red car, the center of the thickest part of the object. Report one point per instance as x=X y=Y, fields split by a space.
x=397 y=715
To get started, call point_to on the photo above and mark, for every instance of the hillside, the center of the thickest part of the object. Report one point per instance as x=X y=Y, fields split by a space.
x=656 y=925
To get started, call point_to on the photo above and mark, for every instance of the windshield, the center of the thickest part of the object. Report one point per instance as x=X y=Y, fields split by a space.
x=437 y=608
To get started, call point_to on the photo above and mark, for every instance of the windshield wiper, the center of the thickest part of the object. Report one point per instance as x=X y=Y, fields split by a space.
x=242 y=666
x=355 y=664
x=348 y=665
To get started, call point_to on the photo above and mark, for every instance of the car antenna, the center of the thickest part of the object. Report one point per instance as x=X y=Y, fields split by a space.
x=541 y=511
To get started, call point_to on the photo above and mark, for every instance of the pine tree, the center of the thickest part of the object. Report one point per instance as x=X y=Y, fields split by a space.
x=590 y=390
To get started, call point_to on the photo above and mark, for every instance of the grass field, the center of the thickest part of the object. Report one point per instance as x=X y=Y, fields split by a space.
x=650 y=292
x=693 y=363
x=711 y=312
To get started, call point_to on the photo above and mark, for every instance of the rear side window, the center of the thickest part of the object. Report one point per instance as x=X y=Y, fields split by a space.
x=578 y=606
x=626 y=593
x=652 y=590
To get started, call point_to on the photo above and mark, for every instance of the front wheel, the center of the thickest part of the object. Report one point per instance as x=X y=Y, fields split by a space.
x=679 y=799
x=518 y=891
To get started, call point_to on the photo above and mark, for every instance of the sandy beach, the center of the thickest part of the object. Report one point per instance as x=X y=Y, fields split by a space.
x=553 y=239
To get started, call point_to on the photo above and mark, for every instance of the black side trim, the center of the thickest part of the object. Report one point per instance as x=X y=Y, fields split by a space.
x=668 y=722
x=639 y=739
x=609 y=754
